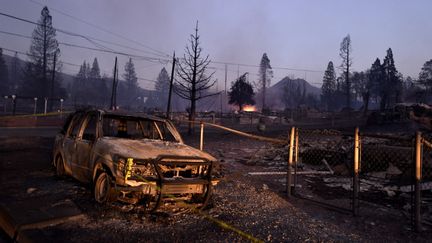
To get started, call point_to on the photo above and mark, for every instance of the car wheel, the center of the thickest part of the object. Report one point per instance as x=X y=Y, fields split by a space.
x=102 y=188
x=59 y=164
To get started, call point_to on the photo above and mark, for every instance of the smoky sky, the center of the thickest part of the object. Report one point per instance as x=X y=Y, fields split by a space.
x=294 y=34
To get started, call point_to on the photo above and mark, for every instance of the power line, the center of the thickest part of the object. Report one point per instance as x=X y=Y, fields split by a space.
x=136 y=57
x=257 y=66
x=88 y=38
x=103 y=29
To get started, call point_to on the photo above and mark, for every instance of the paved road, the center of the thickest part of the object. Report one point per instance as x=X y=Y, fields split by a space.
x=28 y=131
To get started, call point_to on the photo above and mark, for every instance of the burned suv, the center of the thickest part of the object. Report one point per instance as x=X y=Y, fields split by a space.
x=132 y=158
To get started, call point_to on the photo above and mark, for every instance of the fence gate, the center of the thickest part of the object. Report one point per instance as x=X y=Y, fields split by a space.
x=323 y=167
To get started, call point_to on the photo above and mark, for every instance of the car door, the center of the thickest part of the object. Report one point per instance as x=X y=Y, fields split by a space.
x=84 y=147
x=69 y=142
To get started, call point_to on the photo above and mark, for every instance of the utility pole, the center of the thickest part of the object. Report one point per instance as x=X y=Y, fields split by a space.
x=170 y=88
x=114 y=88
x=52 y=83
x=44 y=58
x=226 y=73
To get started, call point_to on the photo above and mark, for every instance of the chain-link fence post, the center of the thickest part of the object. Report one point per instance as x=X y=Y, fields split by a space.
x=202 y=136
x=355 y=198
x=417 y=202
x=296 y=154
x=290 y=160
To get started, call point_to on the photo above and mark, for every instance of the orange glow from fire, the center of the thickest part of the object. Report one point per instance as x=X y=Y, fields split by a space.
x=249 y=108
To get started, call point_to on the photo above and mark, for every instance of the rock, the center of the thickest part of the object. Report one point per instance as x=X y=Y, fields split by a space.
x=389 y=191
x=31 y=189
x=265 y=187
x=341 y=169
x=393 y=170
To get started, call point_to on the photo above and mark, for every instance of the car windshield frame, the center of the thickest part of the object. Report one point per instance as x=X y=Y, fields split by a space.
x=160 y=129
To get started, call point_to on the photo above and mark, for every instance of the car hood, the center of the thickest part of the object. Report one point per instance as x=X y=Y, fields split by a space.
x=148 y=148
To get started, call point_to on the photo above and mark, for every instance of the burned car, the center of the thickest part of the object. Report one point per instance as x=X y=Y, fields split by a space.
x=132 y=158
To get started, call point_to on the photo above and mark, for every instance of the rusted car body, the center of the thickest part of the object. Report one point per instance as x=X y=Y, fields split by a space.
x=134 y=158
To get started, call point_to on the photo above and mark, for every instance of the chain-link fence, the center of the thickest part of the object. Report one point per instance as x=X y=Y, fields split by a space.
x=386 y=173
x=323 y=171
x=425 y=187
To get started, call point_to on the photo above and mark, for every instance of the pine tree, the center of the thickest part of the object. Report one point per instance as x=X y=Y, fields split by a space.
x=241 y=93
x=131 y=80
x=15 y=74
x=43 y=48
x=328 y=88
x=4 y=76
x=80 y=86
x=98 y=86
x=425 y=77
x=265 y=74
x=162 y=88
x=345 y=54
x=376 y=78
x=95 y=71
x=392 y=82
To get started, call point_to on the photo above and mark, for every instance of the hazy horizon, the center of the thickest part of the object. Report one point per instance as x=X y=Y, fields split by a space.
x=294 y=34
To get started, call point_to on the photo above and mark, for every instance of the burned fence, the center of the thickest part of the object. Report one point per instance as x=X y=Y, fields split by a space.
x=423 y=182
x=353 y=172
x=357 y=171
x=386 y=172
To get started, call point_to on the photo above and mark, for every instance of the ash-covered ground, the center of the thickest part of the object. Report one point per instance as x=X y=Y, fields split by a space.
x=243 y=205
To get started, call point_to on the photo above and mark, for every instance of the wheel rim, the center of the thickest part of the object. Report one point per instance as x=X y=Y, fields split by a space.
x=102 y=188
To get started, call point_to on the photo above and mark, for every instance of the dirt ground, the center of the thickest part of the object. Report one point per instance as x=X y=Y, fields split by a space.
x=243 y=205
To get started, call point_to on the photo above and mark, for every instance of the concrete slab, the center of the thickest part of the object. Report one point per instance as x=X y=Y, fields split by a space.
x=35 y=213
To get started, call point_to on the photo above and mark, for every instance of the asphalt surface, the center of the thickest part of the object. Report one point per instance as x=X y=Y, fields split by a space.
x=28 y=131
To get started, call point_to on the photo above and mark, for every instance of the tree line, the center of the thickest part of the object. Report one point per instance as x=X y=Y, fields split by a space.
x=382 y=84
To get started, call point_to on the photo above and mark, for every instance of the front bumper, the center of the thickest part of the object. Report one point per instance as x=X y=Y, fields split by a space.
x=168 y=181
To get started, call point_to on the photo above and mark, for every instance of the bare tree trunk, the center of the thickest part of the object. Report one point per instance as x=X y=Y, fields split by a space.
x=366 y=103
x=264 y=90
x=348 y=84
x=192 y=117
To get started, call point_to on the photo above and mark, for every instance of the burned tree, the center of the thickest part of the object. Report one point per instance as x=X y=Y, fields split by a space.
x=345 y=52
x=194 y=83
x=265 y=75
x=241 y=92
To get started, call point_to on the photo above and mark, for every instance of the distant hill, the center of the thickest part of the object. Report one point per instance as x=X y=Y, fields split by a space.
x=275 y=93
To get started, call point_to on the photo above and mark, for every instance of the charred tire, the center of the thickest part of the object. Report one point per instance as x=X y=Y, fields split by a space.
x=102 y=190
x=59 y=164
x=152 y=203
x=203 y=199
